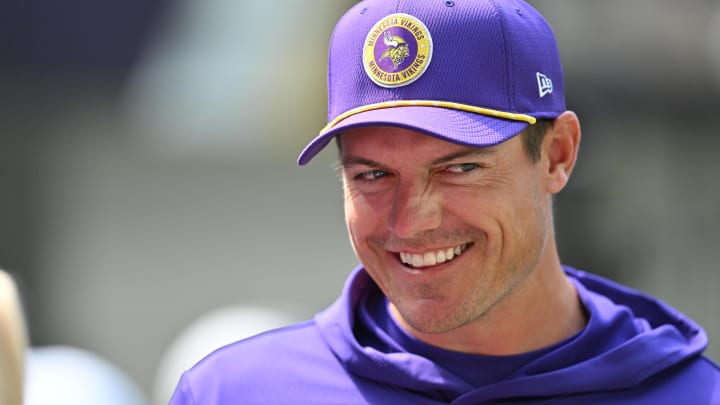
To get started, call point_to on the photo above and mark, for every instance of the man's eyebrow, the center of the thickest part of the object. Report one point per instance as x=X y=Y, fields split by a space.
x=356 y=160
x=468 y=152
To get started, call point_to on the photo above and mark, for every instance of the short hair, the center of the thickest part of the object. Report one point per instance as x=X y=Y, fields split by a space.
x=533 y=137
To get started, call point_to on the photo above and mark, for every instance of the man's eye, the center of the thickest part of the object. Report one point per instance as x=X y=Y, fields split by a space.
x=462 y=167
x=371 y=175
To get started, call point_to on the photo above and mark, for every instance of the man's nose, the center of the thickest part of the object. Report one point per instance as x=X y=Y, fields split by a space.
x=416 y=208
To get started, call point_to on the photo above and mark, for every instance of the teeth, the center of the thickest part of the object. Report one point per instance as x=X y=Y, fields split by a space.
x=449 y=254
x=441 y=257
x=431 y=258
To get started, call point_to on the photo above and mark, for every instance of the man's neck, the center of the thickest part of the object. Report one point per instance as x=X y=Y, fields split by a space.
x=541 y=310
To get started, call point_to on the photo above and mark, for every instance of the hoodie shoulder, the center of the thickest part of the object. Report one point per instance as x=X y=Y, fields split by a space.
x=266 y=368
x=664 y=353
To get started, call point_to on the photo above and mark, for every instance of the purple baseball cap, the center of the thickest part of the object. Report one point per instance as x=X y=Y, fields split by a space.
x=472 y=72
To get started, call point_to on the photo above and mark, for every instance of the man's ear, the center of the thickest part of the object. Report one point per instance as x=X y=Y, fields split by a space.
x=561 y=146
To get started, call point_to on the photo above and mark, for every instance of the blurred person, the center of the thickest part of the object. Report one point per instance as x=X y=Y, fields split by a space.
x=453 y=138
x=13 y=341
x=66 y=375
x=216 y=328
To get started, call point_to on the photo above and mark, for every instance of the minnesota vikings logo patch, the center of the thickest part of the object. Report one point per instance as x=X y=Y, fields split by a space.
x=397 y=50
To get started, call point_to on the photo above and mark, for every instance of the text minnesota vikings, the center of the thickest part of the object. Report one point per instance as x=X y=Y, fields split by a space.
x=394 y=22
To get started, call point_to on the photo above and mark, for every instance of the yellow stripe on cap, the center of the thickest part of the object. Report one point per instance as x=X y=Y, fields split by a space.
x=430 y=103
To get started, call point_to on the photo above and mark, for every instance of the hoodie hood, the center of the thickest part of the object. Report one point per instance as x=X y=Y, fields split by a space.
x=630 y=337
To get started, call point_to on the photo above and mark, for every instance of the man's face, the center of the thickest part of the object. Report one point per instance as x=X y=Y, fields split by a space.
x=446 y=231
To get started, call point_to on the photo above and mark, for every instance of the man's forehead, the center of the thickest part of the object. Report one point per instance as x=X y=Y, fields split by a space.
x=366 y=145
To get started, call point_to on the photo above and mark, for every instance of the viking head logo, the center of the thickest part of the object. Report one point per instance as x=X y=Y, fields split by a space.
x=397 y=49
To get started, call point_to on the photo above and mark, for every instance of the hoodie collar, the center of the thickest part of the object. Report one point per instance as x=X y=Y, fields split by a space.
x=629 y=337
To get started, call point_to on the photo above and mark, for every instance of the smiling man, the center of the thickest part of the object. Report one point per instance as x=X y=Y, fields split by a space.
x=459 y=239
x=450 y=156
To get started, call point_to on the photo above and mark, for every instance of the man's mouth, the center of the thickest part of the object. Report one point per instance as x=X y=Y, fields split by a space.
x=433 y=257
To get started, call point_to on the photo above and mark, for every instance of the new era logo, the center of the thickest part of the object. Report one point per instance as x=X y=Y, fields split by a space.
x=544 y=84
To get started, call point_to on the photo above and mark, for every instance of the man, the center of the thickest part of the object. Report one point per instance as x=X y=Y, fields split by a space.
x=453 y=137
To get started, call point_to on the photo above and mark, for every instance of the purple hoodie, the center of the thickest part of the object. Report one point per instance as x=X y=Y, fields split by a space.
x=634 y=350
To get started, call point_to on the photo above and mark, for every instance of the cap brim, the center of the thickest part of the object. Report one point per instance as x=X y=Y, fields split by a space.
x=451 y=125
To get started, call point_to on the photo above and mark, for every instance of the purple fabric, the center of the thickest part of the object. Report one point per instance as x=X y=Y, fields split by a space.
x=634 y=350
x=483 y=53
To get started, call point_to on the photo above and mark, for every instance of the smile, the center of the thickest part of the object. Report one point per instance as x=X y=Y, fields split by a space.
x=432 y=258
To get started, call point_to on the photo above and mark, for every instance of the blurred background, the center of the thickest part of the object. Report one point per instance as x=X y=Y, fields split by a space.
x=151 y=208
